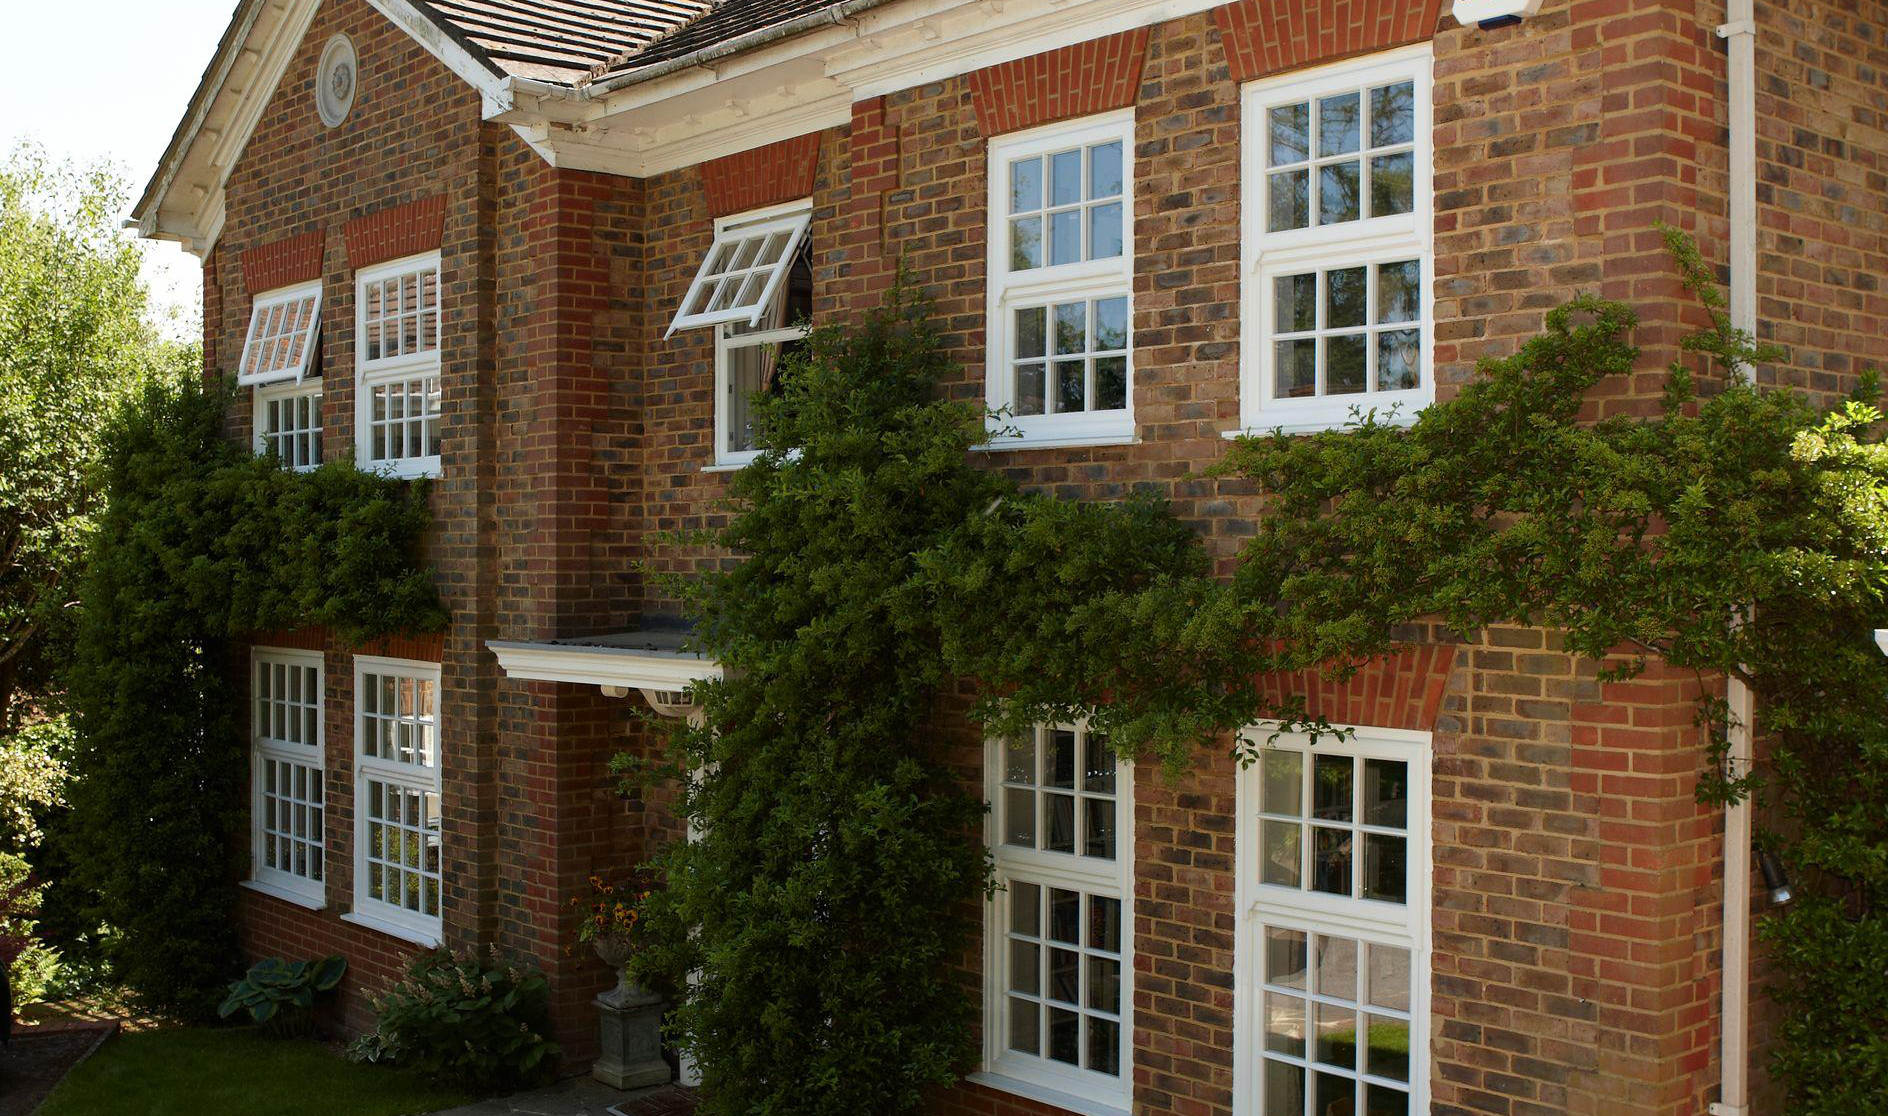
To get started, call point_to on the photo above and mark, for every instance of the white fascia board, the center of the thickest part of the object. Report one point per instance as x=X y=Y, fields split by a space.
x=629 y=668
x=494 y=88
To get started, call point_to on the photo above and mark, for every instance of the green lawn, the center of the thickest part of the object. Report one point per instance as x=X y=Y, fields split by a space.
x=216 y=1072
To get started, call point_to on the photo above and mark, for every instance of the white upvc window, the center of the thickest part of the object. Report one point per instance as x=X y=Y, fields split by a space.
x=1337 y=220
x=748 y=351
x=1059 y=352
x=284 y=334
x=287 y=801
x=288 y=423
x=1332 y=972
x=1058 y=965
x=396 y=797
x=741 y=276
x=397 y=350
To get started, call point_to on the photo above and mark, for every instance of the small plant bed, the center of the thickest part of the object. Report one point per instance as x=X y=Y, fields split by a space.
x=237 y=1072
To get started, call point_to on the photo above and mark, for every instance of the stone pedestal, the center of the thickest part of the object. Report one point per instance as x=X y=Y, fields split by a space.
x=630 y=1024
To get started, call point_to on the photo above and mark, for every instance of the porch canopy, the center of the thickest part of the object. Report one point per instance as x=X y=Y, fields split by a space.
x=654 y=663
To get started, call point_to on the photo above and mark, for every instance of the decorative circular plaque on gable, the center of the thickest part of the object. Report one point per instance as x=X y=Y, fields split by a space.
x=335 y=80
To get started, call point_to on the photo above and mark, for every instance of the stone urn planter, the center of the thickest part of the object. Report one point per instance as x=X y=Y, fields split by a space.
x=629 y=1021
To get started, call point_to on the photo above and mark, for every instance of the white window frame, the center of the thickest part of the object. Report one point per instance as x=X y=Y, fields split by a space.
x=405 y=367
x=726 y=341
x=310 y=334
x=287 y=394
x=1267 y=256
x=1403 y=926
x=289 y=886
x=730 y=236
x=1040 y=1078
x=1007 y=290
x=374 y=913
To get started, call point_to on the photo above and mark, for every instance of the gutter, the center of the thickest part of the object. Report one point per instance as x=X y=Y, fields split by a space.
x=824 y=17
x=1740 y=34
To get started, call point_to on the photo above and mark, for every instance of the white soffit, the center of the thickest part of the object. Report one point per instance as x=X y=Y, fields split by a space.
x=629 y=661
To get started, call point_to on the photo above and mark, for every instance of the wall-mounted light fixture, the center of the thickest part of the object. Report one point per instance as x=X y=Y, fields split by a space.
x=1775 y=879
x=1489 y=14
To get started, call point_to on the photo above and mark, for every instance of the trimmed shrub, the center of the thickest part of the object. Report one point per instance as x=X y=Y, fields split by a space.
x=480 y=1023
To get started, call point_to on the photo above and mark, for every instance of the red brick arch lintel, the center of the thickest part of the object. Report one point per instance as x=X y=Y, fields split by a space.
x=1400 y=690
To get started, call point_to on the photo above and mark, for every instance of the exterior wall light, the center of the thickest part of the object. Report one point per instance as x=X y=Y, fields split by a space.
x=1774 y=878
x=1489 y=14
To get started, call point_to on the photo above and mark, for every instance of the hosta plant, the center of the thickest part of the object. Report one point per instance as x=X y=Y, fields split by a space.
x=279 y=994
x=475 y=1021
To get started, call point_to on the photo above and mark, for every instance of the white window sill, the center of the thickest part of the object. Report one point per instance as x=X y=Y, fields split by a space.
x=725 y=467
x=1067 y=1101
x=1007 y=443
x=305 y=900
x=1295 y=425
x=412 y=469
x=394 y=928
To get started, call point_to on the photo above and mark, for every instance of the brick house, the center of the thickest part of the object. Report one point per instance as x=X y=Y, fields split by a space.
x=543 y=253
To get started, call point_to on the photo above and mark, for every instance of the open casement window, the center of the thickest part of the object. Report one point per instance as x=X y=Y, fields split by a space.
x=1059 y=937
x=1333 y=892
x=1060 y=353
x=397 y=353
x=745 y=268
x=397 y=833
x=284 y=334
x=287 y=807
x=747 y=359
x=1336 y=240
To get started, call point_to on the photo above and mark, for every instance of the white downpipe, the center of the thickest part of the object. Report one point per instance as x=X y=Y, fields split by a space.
x=1740 y=33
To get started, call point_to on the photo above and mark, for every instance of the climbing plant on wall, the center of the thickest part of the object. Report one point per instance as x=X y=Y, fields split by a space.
x=200 y=545
x=810 y=927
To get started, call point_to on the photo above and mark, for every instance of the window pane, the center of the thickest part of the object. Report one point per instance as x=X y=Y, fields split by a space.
x=1111 y=383
x=1026 y=909
x=1071 y=391
x=1019 y=817
x=1281 y=782
x=1386 y=793
x=1389 y=977
x=1295 y=303
x=1337 y=967
x=1392 y=184
x=1111 y=324
x=1019 y=761
x=1098 y=828
x=1347 y=367
x=1025 y=243
x=1399 y=360
x=1338 y=193
x=1061 y=765
x=1025 y=185
x=1104 y=170
x=1104 y=1046
x=1297 y=373
x=1285 y=957
x=1031 y=334
x=1385 y=1101
x=1065 y=916
x=1386 y=868
x=1285 y=1024
x=1065 y=178
x=1388 y=1047
x=1065 y=976
x=1330 y=860
x=1065 y=237
x=1065 y=1036
x=1284 y=1089
x=1330 y=788
x=1335 y=1095
x=1290 y=200
x=1104 y=923
x=1104 y=231
x=1345 y=297
x=1399 y=291
x=1025 y=967
x=1283 y=860
x=1289 y=134
x=1030 y=389
x=1104 y=985
x=1337 y=1036
x=1025 y=1026
x=1393 y=114
x=1060 y=821
x=1337 y=124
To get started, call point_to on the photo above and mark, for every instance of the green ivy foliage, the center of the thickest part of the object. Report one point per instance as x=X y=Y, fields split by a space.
x=1733 y=532
x=810 y=931
x=199 y=545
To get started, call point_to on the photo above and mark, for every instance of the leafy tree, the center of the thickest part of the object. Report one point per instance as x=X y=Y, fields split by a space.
x=75 y=338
